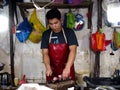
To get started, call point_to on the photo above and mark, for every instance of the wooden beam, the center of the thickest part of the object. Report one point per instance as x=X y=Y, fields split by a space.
x=84 y=4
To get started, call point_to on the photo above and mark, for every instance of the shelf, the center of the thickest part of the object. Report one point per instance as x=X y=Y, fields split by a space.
x=84 y=4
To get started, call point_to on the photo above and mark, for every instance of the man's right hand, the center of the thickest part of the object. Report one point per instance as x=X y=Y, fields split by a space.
x=48 y=72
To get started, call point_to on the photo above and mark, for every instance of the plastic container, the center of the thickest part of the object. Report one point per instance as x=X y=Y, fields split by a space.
x=4 y=81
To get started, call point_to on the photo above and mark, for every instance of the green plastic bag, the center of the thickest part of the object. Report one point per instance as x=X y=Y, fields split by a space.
x=117 y=39
x=70 y=20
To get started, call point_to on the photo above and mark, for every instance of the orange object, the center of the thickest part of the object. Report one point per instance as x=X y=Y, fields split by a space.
x=98 y=42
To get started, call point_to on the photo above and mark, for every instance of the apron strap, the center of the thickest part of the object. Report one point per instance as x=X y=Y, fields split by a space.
x=63 y=35
x=50 y=37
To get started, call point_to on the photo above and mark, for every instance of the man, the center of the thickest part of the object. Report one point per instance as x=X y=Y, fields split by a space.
x=59 y=46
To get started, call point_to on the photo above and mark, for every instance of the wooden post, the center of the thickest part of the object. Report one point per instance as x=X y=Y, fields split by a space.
x=97 y=54
x=11 y=23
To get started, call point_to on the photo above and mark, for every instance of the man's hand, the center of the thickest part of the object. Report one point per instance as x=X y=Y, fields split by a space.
x=46 y=61
x=70 y=62
x=48 y=72
x=66 y=73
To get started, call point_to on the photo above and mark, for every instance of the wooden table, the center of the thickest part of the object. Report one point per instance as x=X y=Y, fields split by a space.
x=62 y=85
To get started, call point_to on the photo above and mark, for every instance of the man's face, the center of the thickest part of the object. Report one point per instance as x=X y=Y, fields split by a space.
x=55 y=24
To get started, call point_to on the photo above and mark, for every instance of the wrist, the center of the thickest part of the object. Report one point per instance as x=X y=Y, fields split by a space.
x=67 y=67
x=48 y=67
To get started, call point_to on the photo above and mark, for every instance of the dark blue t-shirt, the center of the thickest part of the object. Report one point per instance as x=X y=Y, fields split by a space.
x=58 y=38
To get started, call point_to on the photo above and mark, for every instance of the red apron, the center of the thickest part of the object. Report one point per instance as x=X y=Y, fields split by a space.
x=58 y=54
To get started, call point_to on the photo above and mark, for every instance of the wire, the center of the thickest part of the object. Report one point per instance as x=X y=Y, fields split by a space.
x=38 y=7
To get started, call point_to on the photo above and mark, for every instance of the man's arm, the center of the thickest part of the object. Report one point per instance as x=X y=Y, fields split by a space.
x=46 y=61
x=70 y=62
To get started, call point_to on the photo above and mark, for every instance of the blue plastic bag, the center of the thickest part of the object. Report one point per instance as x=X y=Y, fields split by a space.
x=23 y=30
x=79 y=22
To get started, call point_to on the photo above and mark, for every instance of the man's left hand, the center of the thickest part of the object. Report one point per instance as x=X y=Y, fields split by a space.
x=66 y=73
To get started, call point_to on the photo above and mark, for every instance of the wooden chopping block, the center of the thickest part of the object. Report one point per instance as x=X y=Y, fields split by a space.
x=64 y=85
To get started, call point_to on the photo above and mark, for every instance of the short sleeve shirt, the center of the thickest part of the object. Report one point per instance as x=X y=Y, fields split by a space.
x=58 y=38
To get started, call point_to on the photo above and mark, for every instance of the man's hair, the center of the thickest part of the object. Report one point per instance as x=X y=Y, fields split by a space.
x=53 y=13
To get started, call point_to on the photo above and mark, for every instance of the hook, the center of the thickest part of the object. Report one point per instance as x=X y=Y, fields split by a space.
x=38 y=7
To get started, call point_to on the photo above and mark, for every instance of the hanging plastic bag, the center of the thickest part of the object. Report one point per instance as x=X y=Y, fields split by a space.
x=98 y=42
x=70 y=20
x=112 y=45
x=38 y=28
x=79 y=22
x=93 y=42
x=23 y=30
x=116 y=39
x=65 y=20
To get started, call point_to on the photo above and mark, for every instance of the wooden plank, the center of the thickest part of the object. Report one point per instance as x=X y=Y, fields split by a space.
x=84 y=4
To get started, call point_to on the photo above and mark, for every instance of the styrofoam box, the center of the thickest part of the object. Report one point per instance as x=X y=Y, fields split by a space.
x=33 y=86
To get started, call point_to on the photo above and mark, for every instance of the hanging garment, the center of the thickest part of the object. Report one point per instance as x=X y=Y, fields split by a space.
x=58 y=58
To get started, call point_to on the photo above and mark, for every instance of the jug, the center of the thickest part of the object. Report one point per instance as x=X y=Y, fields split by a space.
x=5 y=79
x=117 y=72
